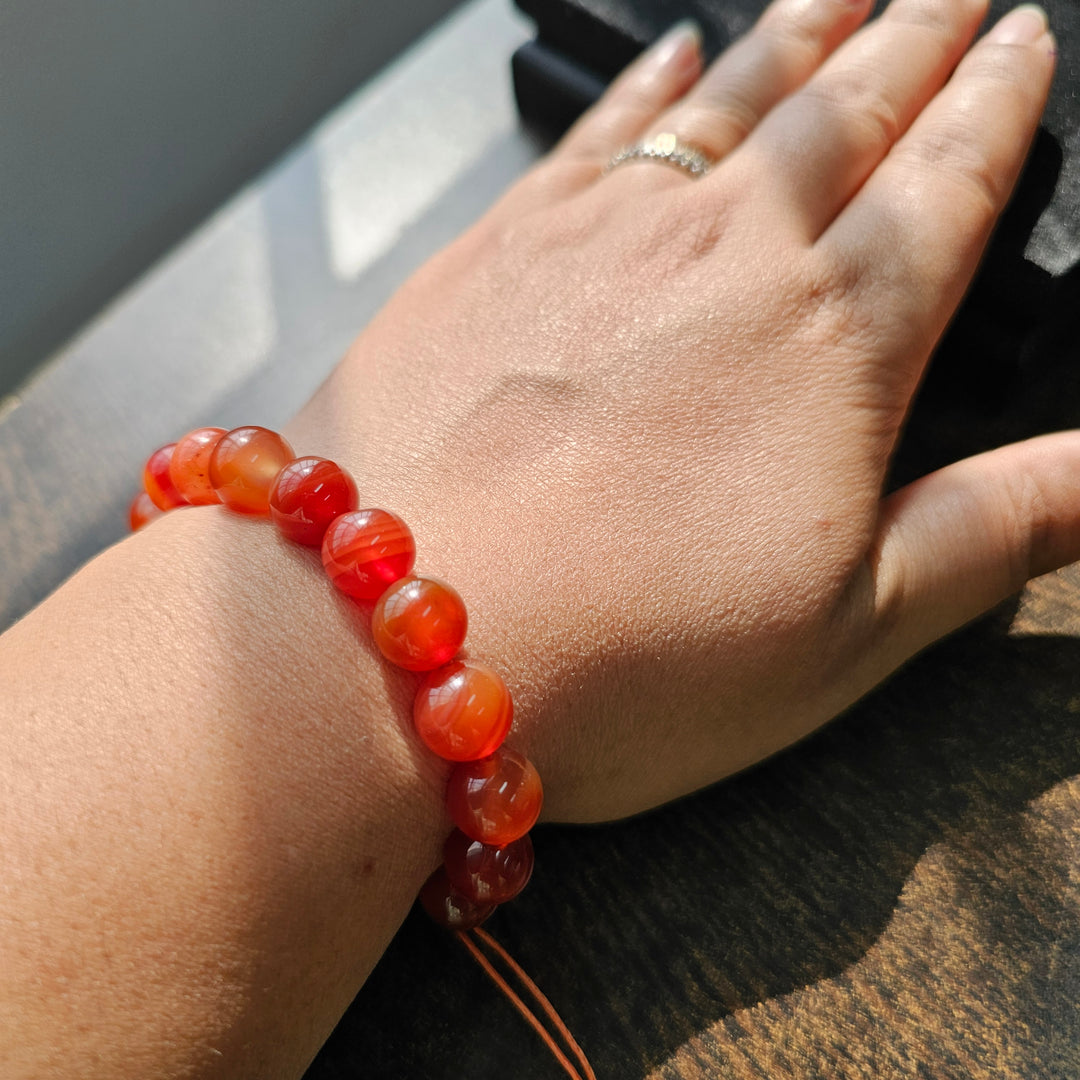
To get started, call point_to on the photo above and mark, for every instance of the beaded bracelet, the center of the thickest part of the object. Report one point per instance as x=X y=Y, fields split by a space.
x=462 y=710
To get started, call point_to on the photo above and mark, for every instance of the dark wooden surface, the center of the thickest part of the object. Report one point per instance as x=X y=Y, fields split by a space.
x=898 y=896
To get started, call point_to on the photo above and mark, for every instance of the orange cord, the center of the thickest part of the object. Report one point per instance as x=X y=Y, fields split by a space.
x=556 y=1021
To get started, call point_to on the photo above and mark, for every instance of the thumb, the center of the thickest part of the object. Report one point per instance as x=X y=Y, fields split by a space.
x=951 y=545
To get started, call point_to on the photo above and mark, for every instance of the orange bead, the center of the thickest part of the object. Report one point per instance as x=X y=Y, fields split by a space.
x=306 y=497
x=463 y=711
x=244 y=465
x=497 y=799
x=449 y=907
x=142 y=511
x=366 y=551
x=419 y=623
x=157 y=481
x=486 y=874
x=190 y=465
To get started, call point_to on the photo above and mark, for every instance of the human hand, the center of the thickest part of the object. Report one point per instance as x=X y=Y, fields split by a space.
x=642 y=422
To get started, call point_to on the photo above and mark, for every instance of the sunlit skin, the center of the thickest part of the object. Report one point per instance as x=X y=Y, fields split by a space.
x=642 y=422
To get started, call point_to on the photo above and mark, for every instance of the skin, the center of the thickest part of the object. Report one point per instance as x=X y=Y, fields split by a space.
x=642 y=424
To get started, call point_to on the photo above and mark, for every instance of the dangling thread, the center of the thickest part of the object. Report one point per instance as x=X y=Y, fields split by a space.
x=586 y=1072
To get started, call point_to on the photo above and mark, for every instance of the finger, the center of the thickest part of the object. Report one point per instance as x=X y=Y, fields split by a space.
x=816 y=149
x=923 y=219
x=958 y=541
x=661 y=75
x=786 y=46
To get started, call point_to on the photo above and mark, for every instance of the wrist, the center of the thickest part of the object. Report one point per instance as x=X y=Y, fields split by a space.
x=286 y=674
x=234 y=771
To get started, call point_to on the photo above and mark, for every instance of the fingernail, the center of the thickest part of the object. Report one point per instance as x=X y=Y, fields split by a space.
x=1022 y=26
x=680 y=45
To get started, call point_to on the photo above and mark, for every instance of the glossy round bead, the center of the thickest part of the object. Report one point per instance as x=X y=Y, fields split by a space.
x=497 y=799
x=463 y=710
x=190 y=465
x=244 y=465
x=419 y=623
x=142 y=511
x=157 y=481
x=486 y=874
x=367 y=551
x=307 y=495
x=450 y=908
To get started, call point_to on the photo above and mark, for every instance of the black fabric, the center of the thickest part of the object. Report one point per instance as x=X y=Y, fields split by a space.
x=551 y=88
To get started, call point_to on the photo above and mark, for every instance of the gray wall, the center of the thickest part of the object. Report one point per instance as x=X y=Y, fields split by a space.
x=123 y=123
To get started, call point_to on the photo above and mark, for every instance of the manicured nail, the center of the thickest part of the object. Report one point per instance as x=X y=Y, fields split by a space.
x=1022 y=26
x=679 y=46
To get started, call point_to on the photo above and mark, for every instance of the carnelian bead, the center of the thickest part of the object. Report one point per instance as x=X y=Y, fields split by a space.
x=190 y=465
x=497 y=799
x=157 y=481
x=463 y=711
x=142 y=511
x=366 y=551
x=449 y=907
x=419 y=623
x=487 y=874
x=244 y=465
x=307 y=495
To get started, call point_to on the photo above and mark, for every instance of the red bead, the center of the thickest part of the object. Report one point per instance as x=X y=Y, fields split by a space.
x=450 y=908
x=142 y=511
x=307 y=495
x=463 y=711
x=158 y=482
x=366 y=551
x=486 y=874
x=190 y=465
x=244 y=466
x=419 y=623
x=497 y=799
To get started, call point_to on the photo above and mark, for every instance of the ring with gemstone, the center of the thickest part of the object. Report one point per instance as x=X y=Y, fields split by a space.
x=664 y=147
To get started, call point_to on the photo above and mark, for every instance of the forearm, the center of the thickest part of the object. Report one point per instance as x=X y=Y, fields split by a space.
x=212 y=817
